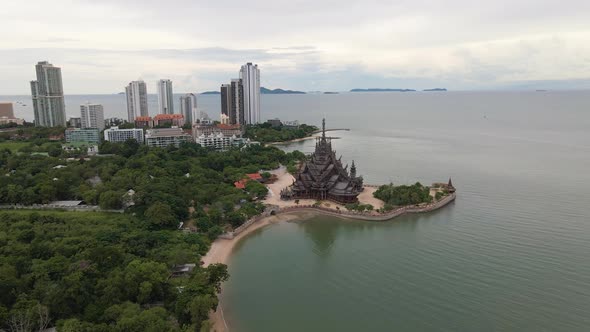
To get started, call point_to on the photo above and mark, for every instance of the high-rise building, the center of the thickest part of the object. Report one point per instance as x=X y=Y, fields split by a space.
x=137 y=104
x=165 y=97
x=188 y=108
x=92 y=116
x=250 y=75
x=236 y=111
x=225 y=101
x=48 y=96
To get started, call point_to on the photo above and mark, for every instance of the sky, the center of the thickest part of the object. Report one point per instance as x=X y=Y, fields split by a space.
x=298 y=44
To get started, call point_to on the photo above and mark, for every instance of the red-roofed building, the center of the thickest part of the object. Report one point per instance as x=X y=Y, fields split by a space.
x=249 y=177
x=144 y=122
x=241 y=184
x=255 y=177
x=172 y=119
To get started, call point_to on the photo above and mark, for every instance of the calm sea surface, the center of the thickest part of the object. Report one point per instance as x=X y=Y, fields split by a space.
x=511 y=254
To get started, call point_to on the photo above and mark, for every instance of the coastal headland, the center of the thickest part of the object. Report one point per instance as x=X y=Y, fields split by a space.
x=294 y=210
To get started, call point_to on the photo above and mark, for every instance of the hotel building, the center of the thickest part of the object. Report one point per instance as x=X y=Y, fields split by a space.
x=137 y=104
x=163 y=137
x=165 y=97
x=92 y=116
x=250 y=76
x=48 y=97
x=116 y=135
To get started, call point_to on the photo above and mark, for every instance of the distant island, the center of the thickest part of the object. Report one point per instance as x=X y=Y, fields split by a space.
x=435 y=89
x=382 y=90
x=266 y=91
x=331 y=93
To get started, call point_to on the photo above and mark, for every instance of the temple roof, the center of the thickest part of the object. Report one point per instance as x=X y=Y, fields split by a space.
x=324 y=172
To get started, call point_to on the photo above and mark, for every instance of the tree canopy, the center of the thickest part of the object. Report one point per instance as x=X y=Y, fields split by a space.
x=265 y=133
x=101 y=272
x=403 y=195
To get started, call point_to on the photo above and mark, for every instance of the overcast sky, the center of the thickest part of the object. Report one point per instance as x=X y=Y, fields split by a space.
x=101 y=45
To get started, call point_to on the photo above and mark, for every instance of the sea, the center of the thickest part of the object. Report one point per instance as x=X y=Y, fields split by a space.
x=512 y=253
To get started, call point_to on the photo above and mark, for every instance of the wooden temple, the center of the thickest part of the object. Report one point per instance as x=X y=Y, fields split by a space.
x=322 y=176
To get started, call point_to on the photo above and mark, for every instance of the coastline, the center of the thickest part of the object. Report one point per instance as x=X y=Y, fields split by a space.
x=222 y=248
x=292 y=140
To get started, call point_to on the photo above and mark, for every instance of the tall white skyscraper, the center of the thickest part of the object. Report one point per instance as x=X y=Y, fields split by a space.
x=92 y=116
x=165 y=97
x=48 y=96
x=136 y=100
x=188 y=108
x=250 y=75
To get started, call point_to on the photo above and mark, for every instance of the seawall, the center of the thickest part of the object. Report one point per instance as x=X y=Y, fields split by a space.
x=343 y=214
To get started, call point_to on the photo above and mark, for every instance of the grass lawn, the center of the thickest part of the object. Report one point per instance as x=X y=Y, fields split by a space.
x=13 y=146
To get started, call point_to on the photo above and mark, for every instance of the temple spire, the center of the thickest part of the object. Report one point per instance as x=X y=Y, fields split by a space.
x=324 y=129
x=353 y=170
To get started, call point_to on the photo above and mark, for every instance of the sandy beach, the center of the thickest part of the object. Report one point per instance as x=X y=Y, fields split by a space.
x=221 y=249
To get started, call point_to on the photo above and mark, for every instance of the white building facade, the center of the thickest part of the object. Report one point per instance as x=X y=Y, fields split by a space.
x=162 y=137
x=116 y=135
x=92 y=116
x=165 y=97
x=137 y=104
x=250 y=75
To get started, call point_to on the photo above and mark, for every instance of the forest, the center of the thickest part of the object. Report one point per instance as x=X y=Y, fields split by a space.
x=84 y=271
x=87 y=271
x=266 y=133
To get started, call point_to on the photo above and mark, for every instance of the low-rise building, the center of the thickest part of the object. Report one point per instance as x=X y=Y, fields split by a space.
x=221 y=142
x=7 y=114
x=162 y=137
x=291 y=124
x=224 y=129
x=6 y=120
x=116 y=135
x=144 y=122
x=275 y=123
x=79 y=135
x=112 y=122
x=169 y=119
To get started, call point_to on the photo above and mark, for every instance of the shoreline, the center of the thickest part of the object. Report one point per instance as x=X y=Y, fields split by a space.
x=292 y=140
x=222 y=248
x=311 y=136
x=285 y=211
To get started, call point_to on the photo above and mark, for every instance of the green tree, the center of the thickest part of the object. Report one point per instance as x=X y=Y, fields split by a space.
x=110 y=200
x=160 y=214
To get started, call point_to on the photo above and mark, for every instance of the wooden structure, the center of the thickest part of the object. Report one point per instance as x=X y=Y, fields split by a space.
x=322 y=177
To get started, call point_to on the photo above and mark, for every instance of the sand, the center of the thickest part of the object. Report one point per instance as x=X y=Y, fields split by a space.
x=221 y=249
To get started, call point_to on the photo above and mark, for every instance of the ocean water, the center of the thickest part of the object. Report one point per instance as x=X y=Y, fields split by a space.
x=512 y=253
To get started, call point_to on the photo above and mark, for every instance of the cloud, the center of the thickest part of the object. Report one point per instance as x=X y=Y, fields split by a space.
x=457 y=43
